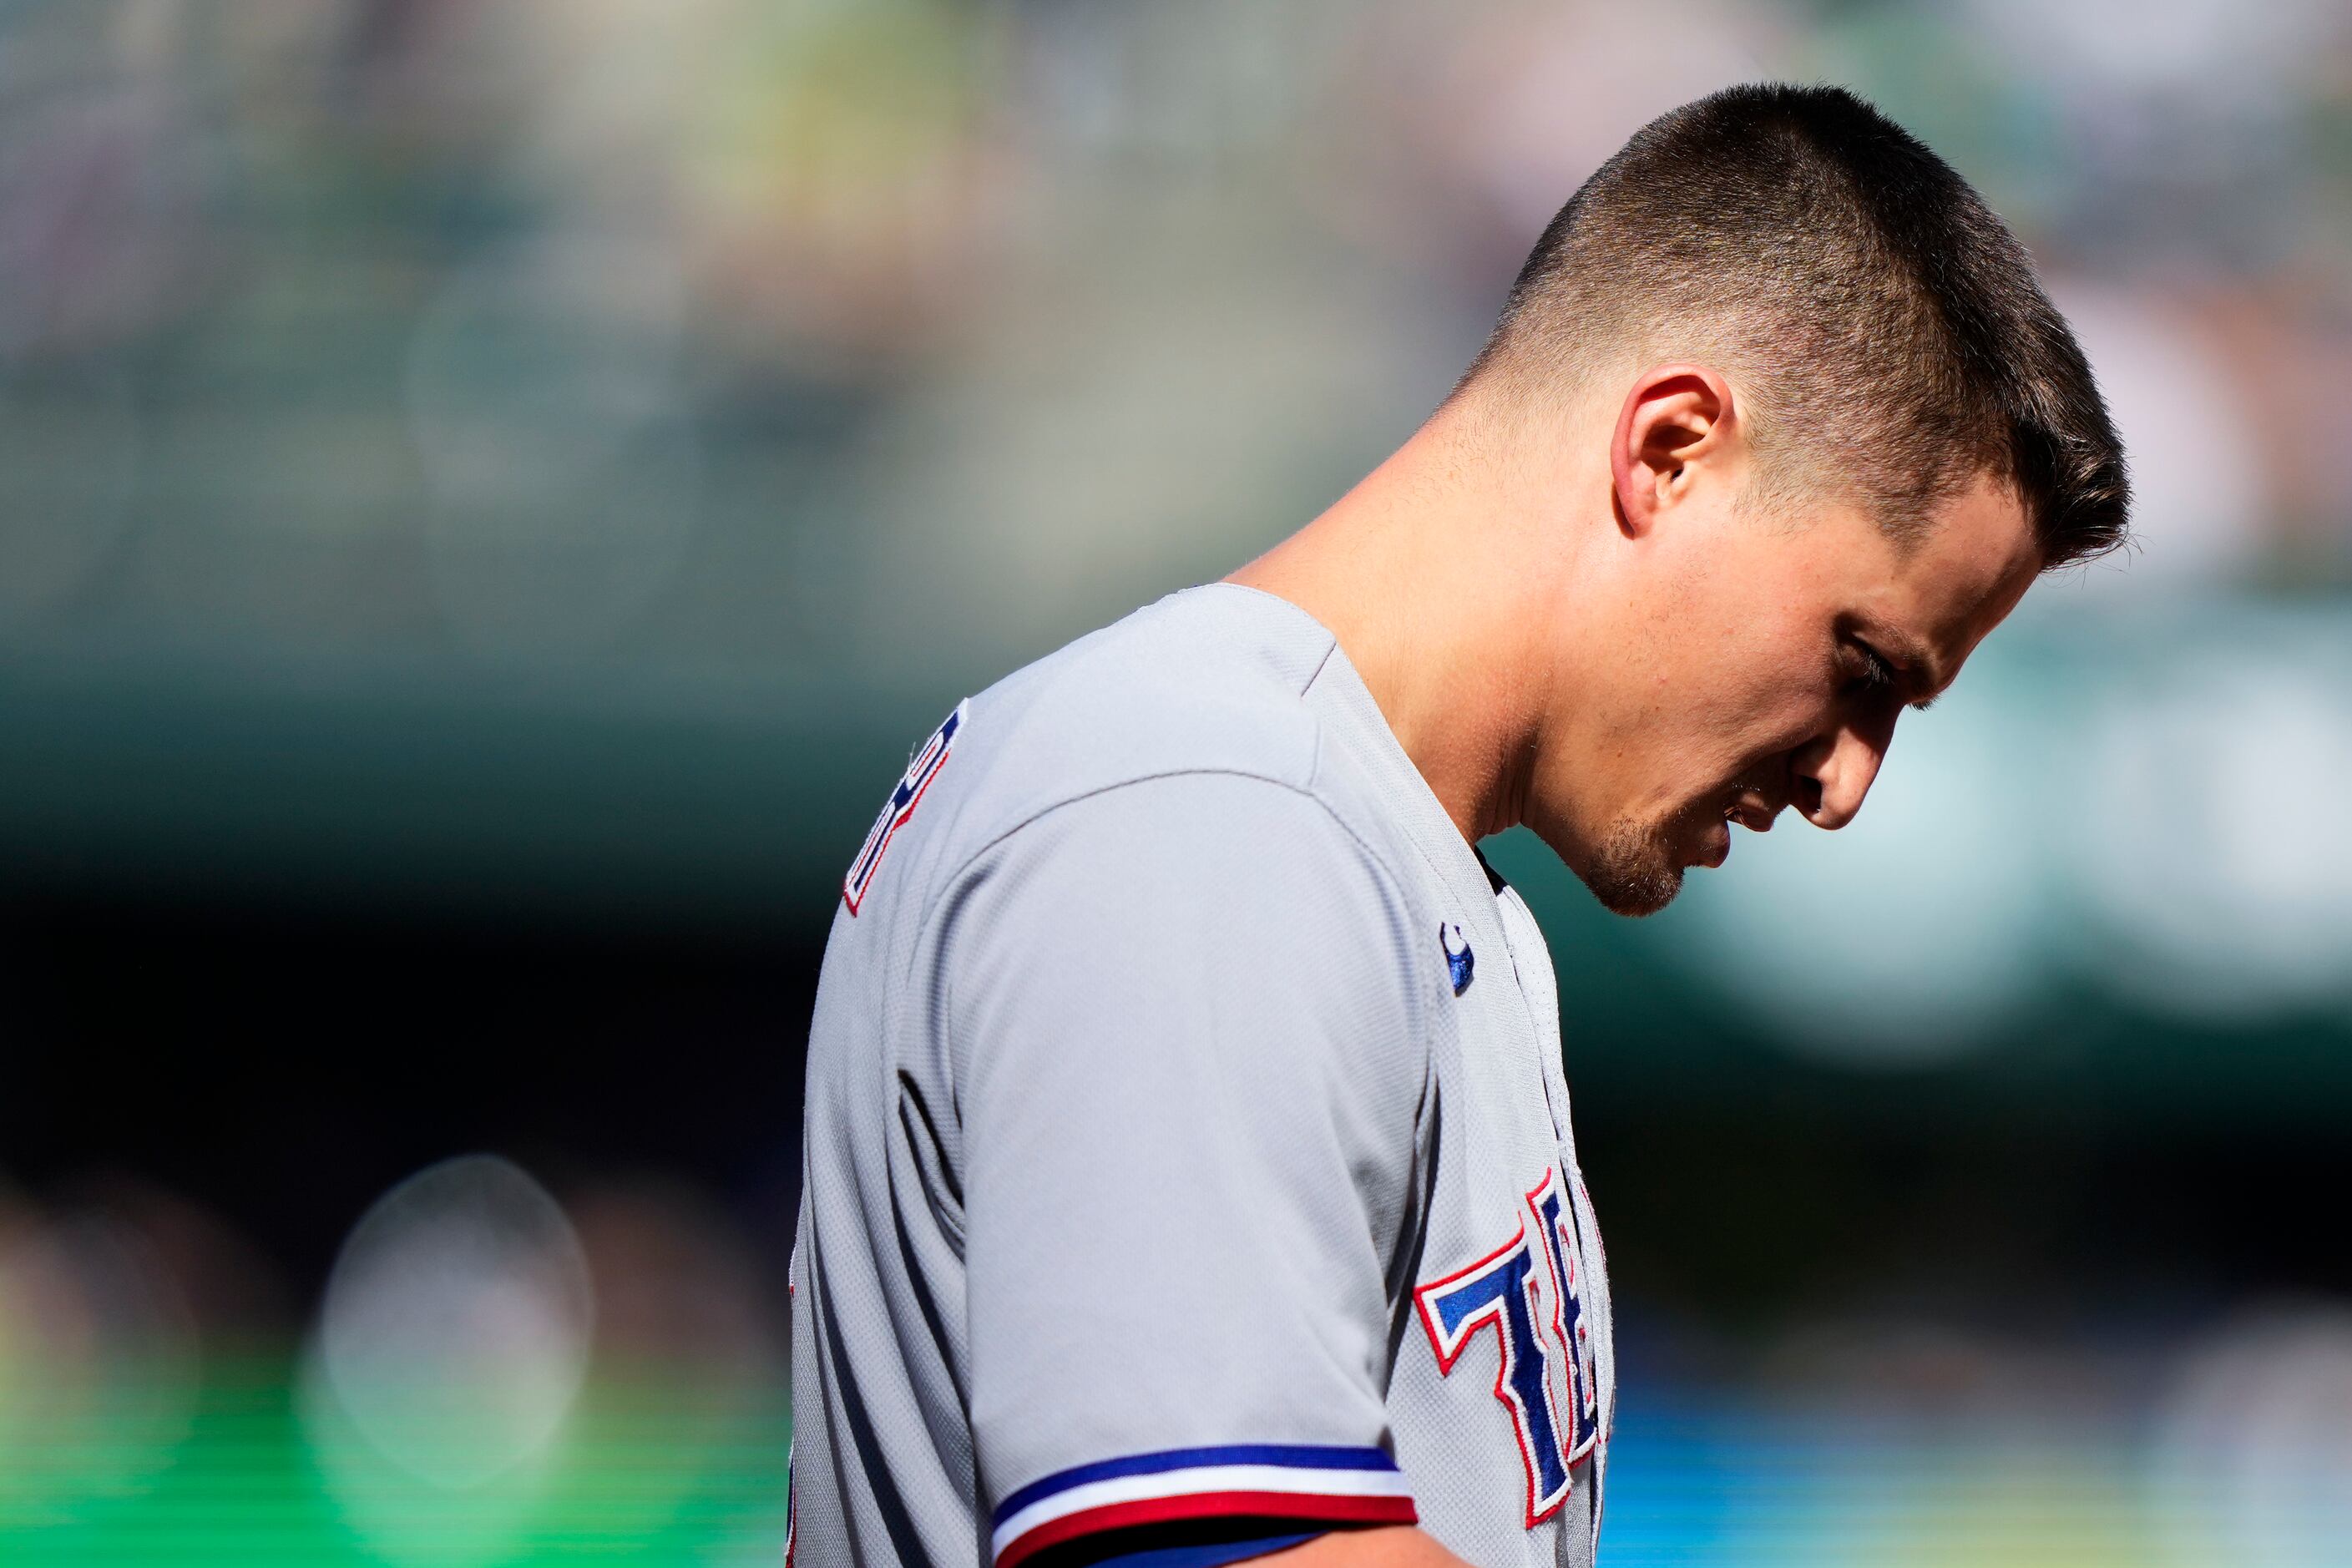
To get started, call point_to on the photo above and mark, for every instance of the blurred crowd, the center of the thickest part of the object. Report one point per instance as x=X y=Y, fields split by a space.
x=733 y=351
x=488 y=1376
x=493 y=1375
x=868 y=340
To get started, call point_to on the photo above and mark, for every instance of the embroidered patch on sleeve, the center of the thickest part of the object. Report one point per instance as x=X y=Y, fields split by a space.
x=929 y=760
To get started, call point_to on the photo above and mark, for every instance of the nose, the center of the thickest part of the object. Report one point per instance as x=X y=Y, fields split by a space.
x=1834 y=772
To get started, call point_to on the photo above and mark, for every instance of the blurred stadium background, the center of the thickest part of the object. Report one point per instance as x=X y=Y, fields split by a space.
x=490 y=489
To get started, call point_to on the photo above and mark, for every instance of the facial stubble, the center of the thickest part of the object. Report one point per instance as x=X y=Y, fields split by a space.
x=1634 y=870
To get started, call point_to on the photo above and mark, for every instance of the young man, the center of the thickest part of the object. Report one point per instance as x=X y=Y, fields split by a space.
x=1189 y=1174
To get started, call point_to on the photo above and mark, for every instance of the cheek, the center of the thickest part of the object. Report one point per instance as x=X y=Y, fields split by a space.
x=1772 y=693
x=1721 y=733
x=1735 y=675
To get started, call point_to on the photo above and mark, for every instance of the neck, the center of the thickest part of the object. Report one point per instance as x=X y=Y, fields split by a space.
x=1432 y=575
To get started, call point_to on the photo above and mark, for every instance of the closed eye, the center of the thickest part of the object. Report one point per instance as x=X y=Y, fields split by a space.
x=1875 y=670
x=1876 y=674
x=1879 y=675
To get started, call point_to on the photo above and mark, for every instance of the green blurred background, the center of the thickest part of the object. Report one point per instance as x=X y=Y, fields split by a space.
x=490 y=490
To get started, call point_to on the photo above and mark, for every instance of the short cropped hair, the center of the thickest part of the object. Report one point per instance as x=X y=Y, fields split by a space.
x=1886 y=329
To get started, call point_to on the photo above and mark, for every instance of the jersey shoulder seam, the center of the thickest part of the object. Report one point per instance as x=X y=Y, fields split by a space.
x=1305 y=790
x=1395 y=885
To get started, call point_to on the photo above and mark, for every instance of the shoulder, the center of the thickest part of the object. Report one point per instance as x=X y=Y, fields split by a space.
x=1207 y=683
x=1141 y=840
x=1166 y=769
x=1176 y=935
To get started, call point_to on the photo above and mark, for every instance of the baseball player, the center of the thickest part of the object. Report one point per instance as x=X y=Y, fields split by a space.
x=1189 y=1172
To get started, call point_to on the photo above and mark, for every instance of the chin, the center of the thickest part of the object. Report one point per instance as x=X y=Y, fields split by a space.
x=1635 y=873
x=1634 y=899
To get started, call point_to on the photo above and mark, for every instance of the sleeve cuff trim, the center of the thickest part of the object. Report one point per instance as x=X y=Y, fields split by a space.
x=1339 y=1486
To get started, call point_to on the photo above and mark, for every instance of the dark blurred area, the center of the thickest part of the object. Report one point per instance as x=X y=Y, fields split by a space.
x=490 y=492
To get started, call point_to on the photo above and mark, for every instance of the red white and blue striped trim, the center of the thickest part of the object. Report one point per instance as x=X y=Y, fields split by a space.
x=928 y=762
x=1257 y=1480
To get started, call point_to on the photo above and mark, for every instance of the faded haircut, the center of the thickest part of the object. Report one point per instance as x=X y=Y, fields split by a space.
x=1886 y=330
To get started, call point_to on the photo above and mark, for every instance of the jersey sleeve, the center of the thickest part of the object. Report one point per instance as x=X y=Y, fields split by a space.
x=1189 y=1034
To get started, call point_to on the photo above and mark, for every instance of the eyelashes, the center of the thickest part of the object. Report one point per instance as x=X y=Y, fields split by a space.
x=1876 y=675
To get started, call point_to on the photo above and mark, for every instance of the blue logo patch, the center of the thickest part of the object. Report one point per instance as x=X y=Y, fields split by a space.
x=1459 y=959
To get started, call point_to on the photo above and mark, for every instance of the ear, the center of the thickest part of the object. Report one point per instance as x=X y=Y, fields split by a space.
x=1676 y=417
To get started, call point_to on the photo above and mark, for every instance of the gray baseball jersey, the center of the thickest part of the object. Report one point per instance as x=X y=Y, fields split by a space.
x=1187 y=1164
